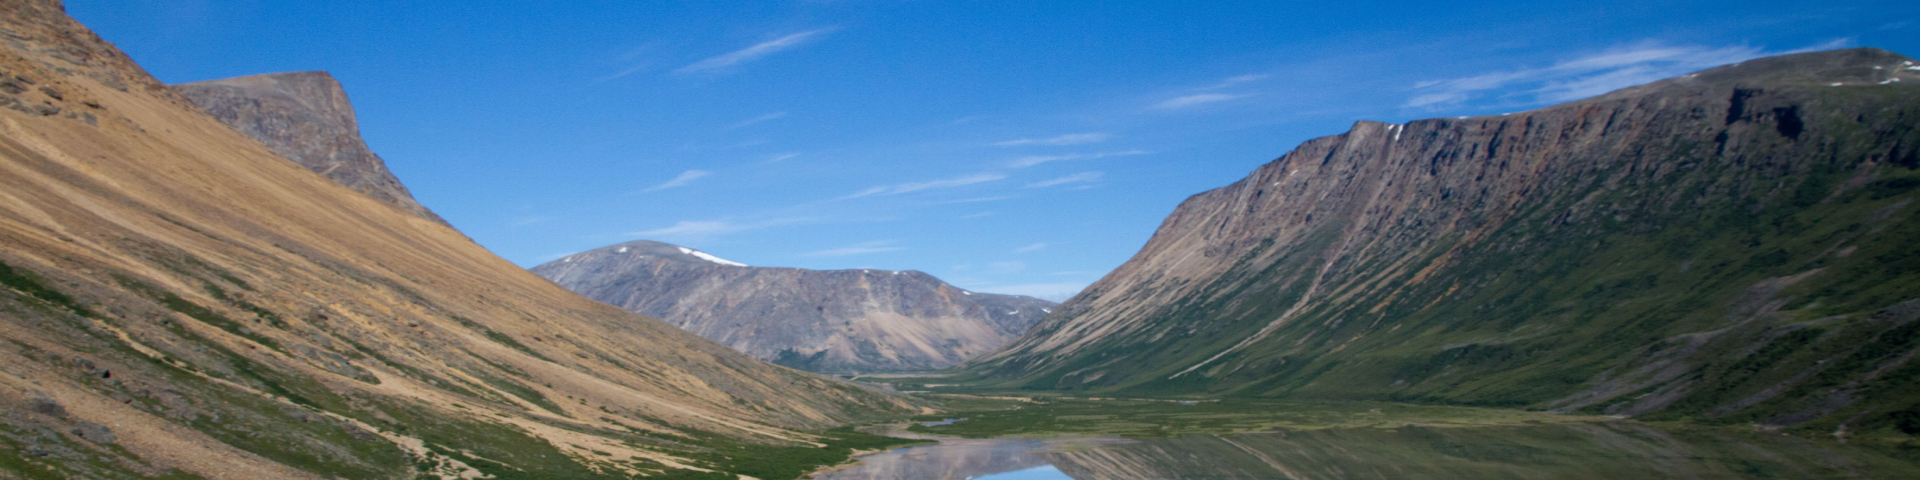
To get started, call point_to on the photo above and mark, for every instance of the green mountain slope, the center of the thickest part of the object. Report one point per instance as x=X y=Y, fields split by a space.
x=1735 y=245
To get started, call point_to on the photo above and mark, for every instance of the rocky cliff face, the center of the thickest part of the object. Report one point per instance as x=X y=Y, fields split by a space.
x=832 y=321
x=175 y=298
x=1735 y=245
x=305 y=117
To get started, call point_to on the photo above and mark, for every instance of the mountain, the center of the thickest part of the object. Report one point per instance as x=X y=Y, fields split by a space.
x=832 y=321
x=305 y=117
x=1735 y=245
x=180 y=300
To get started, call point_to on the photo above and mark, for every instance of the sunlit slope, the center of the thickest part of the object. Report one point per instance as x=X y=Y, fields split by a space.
x=177 y=297
x=1737 y=245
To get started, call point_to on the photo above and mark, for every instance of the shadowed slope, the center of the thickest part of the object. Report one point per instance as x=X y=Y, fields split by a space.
x=1733 y=245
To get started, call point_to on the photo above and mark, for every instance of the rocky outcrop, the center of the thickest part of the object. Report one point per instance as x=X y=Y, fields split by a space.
x=177 y=300
x=834 y=321
x=305 y=117
x=1625 y=254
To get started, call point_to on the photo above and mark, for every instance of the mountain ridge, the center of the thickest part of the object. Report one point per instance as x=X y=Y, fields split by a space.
x=830 y=321
x=1490 y=235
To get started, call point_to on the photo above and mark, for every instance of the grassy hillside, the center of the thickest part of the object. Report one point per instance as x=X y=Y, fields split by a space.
x=176 y=301
x=1728 y=258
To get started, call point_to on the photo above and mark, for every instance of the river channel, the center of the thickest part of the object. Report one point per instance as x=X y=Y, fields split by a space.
x=1601 y=451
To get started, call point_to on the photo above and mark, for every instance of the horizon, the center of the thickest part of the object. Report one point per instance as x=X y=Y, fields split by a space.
x=983 y=144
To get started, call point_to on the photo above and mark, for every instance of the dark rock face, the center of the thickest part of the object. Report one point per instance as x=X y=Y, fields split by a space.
x=1732 y=244
x=833 y=321
x=305 y=117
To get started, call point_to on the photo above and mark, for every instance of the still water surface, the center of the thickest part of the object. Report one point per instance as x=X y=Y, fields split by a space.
x=1617 y=451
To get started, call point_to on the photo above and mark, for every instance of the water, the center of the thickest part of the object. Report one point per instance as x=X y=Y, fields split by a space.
x=1044 y=472
x=1614 y=451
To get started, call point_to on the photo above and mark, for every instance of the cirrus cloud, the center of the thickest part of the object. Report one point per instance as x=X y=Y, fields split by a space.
x=762 y=49
x=682 y=180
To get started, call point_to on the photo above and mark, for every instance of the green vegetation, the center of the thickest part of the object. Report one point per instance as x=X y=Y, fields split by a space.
x=769 y=462
x=36 y=456
x=524 y=392
x=507 y=452
x=1142 y=418
x=497 y=337
x=1773 y=274
x=271 y=318
x=310 y=442
x=197 y=312
x=30 y=284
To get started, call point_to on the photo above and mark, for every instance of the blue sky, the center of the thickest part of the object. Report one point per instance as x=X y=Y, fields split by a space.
x=1021 y=147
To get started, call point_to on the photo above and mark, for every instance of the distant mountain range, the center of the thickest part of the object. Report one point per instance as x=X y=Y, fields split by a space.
x=831 y=321
x=1735 y=245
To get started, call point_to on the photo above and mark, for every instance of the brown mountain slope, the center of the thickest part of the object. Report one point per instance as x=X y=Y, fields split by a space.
x=831 y=321
x=175 y=289
x=305 y=117
x=1736 y=245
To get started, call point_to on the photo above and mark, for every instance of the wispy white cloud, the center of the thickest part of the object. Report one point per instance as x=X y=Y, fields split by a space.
x=637 y=59
x=692 y=228
x=1589 y=75
x=1068 y=139
x=1031 y=248
x=858 y=249
x=977 y=215
x=1057 y=292
x=754 y=120
x=703 y=229
x=685 y=178
x=781 y=156
x=754 y=52
x=525 y=220
x=1236 y=80
x=1200 y=99
x=931 y=184
x=1074 y=178
x=1031 y=160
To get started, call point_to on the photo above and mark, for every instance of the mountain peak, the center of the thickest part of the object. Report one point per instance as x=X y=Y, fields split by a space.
x=666 y=251
x=305 y=117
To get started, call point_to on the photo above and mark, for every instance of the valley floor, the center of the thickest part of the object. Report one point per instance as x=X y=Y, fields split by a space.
x=1122 y=438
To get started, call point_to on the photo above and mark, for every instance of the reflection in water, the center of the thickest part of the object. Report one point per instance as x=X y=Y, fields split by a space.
x=1616 y=451
x=956 y=459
